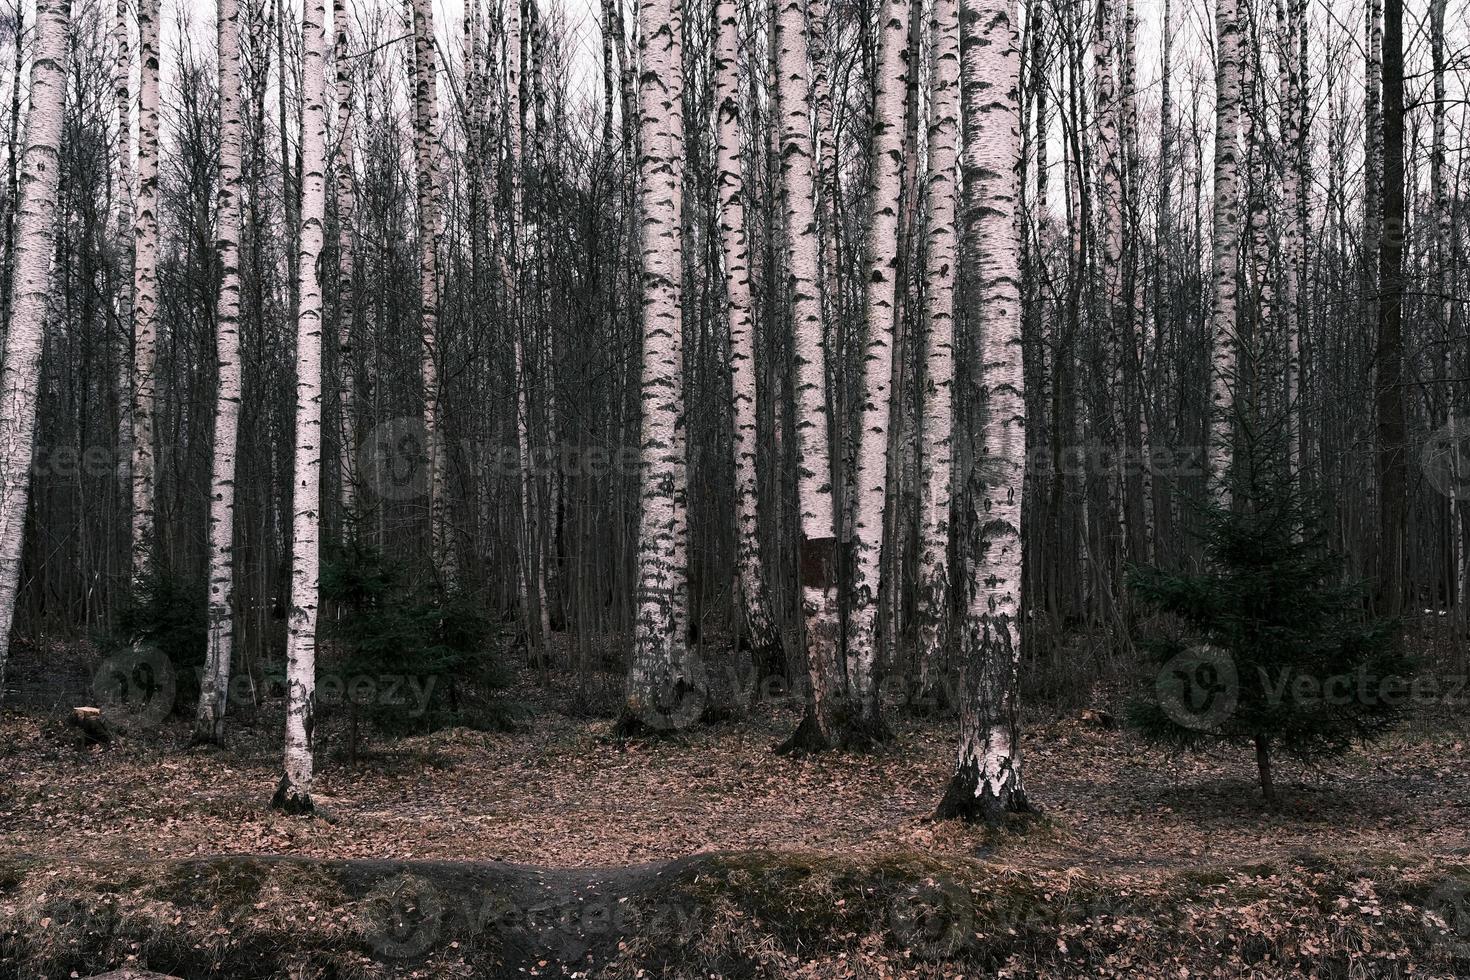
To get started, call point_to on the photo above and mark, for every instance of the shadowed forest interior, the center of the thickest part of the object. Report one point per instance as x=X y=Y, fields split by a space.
x=546 y=432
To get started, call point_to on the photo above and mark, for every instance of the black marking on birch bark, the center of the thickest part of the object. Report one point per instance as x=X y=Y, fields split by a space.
x=819 y=562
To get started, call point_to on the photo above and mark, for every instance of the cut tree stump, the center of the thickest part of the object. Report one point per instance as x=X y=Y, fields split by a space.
x=91 y=724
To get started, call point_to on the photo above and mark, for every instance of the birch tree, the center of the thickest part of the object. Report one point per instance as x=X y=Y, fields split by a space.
x=755 y=604
x=431 y=230
x=941 y=262
x=294 y=793
x=879 y=306
x=818 y=548
x=987 y=781
x=1291 y=29
x=1224 y=243
x=20 y=376
x=662 y=691
x=122 y=95
x=145 y=290
x=209 y=726
x=346 y=198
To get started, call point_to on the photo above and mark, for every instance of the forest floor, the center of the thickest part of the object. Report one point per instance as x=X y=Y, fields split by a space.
x=1362 y=868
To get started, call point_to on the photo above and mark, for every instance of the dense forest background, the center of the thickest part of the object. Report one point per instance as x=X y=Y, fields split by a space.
x=1279 y=185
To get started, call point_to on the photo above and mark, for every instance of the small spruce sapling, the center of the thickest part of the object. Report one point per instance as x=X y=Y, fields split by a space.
x=1269 y=646
x=428 y=653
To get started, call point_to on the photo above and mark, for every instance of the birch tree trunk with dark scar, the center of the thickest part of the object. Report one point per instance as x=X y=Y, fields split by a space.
x=818 y=551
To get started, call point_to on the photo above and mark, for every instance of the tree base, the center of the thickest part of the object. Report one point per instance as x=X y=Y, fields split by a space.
x=808 y=739
x=963 y=802
x=292 y=801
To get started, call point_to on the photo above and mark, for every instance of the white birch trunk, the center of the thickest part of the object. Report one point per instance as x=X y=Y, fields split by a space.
x=34 y=237
x=1110 y=200
x=755 y=607
x=431 y=229
x=880 y=303
x=827 y=169
x=987 y=781
x=1224 y=246
x=346 y=268
x=294 y=793
x=941 y=264
x=819 y=601
x=1254 y=134
x=145 y=291
x=1110 y=184
x=662 y=692
x=1291 y=29
x=123 y=235
x=209 y=726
